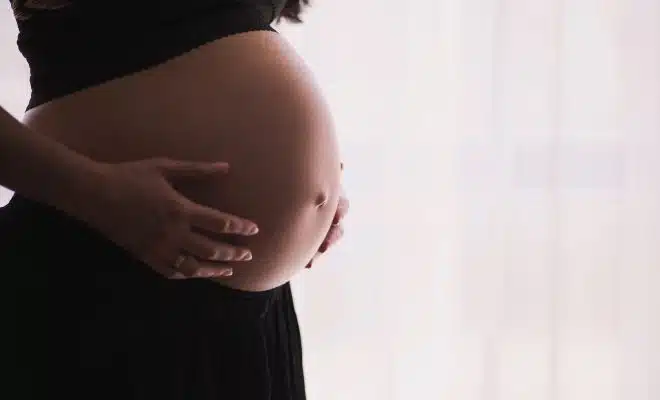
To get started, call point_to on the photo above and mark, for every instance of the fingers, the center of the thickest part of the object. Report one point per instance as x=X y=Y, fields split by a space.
x=166 y=269
x=334 y=235
x=215 y=221
x=342 y=209
x=204 y=248
x=191 y=267
x=196 y=257
x=196 y=266
x=200 y=216
x=175 y=169
x=169 y=273
x=203 y=257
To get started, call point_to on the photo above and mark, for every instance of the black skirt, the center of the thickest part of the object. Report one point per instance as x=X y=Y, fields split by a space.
x=83 y=319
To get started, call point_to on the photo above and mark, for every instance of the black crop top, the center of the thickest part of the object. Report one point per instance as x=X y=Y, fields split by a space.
x=74 y=44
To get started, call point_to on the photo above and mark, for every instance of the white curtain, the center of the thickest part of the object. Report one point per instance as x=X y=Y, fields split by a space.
x=503 y=162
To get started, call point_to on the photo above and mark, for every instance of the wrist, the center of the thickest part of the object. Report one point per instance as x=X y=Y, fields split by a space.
x=45 y=170
x=77 y=189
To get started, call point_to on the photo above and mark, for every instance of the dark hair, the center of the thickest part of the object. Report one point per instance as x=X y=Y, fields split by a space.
x=292 y=11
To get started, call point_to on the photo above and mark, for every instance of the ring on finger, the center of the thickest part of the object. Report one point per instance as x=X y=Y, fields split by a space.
x=180 y=260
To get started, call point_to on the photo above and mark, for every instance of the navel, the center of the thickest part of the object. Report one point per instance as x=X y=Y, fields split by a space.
x=321 y=199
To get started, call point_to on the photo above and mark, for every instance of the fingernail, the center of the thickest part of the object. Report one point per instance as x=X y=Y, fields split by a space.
x=204 y=274
x=246 y=256
x=253 y=230
x=226 y=273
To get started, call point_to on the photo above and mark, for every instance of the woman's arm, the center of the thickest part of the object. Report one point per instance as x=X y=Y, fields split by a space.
x=132 y=204
x=43 y=169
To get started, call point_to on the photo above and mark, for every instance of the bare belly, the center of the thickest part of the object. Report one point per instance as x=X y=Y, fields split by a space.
x=247 y=99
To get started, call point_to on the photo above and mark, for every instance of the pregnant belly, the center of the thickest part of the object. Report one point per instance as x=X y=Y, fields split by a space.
x=247 y=99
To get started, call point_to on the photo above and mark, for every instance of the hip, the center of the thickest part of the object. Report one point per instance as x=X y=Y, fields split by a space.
x=82 y=315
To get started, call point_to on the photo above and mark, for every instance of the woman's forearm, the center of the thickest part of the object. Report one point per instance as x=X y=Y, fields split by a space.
x=41 y=168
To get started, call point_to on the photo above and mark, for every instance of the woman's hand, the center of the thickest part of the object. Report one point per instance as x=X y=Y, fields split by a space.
x=336 y=230
x=135 y=205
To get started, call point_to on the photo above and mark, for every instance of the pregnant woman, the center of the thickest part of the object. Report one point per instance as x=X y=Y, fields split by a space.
x=201 y=80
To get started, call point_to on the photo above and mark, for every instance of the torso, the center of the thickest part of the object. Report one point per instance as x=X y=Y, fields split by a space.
x=247 y=99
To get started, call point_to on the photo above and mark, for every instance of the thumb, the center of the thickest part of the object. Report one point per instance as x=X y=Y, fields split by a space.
x=176 y=169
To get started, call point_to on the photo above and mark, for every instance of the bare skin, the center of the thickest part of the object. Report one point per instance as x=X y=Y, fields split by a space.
x=248 y=100
x=336 y=231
